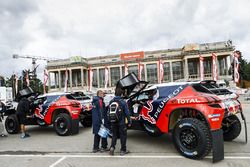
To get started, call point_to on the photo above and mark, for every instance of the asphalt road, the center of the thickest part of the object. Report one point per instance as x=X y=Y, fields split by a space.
x=45 y=148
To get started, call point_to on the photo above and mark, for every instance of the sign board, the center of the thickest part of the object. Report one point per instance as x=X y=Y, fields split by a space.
x=76 y=59
x=132 y=55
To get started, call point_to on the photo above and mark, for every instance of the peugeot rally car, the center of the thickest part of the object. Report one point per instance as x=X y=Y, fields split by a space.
x=192 y=113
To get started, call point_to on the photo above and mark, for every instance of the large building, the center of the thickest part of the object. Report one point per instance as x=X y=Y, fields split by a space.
x=181 y=64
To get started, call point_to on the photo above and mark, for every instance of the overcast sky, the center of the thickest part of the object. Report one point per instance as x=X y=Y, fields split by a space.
x=64 y=28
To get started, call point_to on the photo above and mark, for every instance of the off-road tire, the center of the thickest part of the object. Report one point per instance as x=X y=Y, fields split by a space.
x=233 y=129
x=12 y=125
x=86 y=122
x=192 y=138
x=152 y=130
x=63 y=124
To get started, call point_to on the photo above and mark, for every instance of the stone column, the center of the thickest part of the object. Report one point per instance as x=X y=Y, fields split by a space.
x=171 y=72
x=59 y=80
x=70 y=79
x=186 y=74
x=49 y=80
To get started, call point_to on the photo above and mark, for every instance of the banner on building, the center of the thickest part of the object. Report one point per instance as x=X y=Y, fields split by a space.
x=140 y=68
x=90 y=78
x=132 y=55
x=27 y=78
x=106 y=77
x=236 y=67
x=16 y=84
x=125 y=69
x=66 y=81
x=214 y=67
x=45 y=79
x=201 y=68
x=161 y=71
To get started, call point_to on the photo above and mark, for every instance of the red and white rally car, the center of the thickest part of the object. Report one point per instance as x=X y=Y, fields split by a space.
x=192 y=113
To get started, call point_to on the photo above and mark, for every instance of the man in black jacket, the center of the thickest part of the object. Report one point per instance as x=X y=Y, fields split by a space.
x=23 y=108
x=2 y=111
x=119 y=128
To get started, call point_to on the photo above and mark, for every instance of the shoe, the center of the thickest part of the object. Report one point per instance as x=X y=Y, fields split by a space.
x=104 y=149
x=3 y=135
x=25 y=136
x=124 y=152
x=95 y=150
x=111 y=151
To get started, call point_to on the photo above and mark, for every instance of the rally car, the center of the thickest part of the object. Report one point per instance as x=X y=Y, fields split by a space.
x=192 y=113
x=59 y=109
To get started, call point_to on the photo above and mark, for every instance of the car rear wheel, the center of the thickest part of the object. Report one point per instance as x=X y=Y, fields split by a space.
x=152 y=130
x=12 y=124
x=192 y=138
x=231 y=127
x=86 y=122
x=62 y=124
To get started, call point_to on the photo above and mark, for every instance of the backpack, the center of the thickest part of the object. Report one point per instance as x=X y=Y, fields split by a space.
x=115 y=111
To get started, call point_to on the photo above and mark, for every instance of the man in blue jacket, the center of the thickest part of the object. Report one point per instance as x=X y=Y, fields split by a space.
x=99 y=116
x=120 y=128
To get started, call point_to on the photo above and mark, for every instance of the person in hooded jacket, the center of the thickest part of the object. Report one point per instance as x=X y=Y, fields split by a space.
x=99 y=117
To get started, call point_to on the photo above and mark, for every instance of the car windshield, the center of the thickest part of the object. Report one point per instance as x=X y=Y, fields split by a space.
x=78 y=97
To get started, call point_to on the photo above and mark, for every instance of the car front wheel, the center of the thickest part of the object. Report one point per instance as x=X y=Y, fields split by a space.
x=192 y=138
x=12 y=125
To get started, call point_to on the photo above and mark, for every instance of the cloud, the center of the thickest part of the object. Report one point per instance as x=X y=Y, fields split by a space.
x=61 y=28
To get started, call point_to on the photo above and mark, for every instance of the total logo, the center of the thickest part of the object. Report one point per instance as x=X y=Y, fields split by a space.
x=184 y=101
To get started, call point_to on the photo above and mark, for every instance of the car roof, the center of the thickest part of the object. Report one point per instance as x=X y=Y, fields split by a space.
x=53 y=94
x=166 y=84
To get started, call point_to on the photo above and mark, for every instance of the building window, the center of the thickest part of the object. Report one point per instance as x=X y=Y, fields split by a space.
x=134 y=69
x=115 y=75
x=76 y=78
x=102 y=77
x=166 y=67
x=222 y=66
x=95 y=81
x=177 y=70
x=152 y=73
x=207 y=66
x=193 y=67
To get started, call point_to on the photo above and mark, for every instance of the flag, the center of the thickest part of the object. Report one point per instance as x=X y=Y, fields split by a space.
x=236 y=67
x=16 y=84
x=201 y=68
x=45 y=79
x=140 y=68
x=106 y=77
x=27 y=78
x=161 y=71
x=90 y=78
x=125 y=69
x=66 y=81
x=214 y=67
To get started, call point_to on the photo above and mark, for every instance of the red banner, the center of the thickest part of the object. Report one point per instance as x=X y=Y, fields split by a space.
x=131 y=56
x=214 y=67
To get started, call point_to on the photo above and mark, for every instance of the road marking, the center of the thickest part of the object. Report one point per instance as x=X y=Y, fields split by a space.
x=57 y=162
x=62 y=157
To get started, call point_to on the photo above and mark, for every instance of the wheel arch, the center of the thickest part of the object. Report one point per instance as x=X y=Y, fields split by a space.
x=185 y=112
x=57 y=112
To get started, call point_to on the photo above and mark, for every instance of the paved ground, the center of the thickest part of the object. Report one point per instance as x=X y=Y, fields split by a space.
x=45 y=148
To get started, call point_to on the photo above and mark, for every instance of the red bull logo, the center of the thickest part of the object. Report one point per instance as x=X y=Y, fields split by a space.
x=145 y=112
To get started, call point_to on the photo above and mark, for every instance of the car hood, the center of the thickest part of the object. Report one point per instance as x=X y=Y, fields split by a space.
x=131 y=84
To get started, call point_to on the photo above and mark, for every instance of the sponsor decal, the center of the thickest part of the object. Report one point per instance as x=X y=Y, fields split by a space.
x=152 y=109
x=184 y=101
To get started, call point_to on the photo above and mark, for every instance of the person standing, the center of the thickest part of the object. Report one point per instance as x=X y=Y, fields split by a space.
x=99 y=117
x=119 y=128
x=23 y=108
x=2 y=111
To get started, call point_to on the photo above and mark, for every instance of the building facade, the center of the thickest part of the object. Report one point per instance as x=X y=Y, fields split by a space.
x=181 y=64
